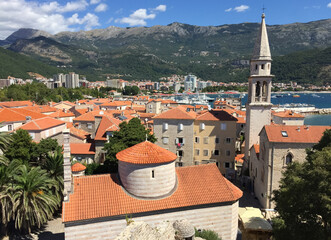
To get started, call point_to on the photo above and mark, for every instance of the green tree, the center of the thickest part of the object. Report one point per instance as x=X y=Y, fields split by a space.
x=44 y=147
x=34 y=202
x=54 y=166
x=5 y=141
x=303 y=200
x=130 y=134
x=131 y=90
x=21 y=148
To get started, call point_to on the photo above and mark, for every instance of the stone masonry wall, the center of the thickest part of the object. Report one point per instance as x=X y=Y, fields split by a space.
x=222 y=219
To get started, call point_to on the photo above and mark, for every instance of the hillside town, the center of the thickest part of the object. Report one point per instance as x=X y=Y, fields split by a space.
x=144 y=161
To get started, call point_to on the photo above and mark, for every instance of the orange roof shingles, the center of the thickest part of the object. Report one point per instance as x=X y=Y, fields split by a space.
x=295 y=134
x=77 y=167
x=17 y=115
x=106 y=124
x=99 y=196
x=82 y=148
x=146 y=153
x=216 y=116
x=288 y=114
x=177 y=113
x=41 y=124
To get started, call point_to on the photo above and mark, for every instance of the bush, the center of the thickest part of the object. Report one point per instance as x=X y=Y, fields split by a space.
x=207 y=234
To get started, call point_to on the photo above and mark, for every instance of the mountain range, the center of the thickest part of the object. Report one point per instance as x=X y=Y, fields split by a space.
x=217 y=53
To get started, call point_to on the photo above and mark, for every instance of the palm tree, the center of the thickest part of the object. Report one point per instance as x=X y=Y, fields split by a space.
x=34 y=202
x=6 y=197
x=5 y=140
x=54 y=166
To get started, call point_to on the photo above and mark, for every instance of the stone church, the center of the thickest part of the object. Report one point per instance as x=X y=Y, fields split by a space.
x=148 y=188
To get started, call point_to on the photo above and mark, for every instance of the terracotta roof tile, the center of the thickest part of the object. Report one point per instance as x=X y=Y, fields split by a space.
x=116 y=104
x=17 y=115
x=99 y=196
x=42 y=123
x=78 y=132
x=215 y=115
x=77 y=167
x=16 y=104
x=256 y=148
x=41 y=109
x=295 y=134
x=176 y=113
x=146 y=115
x=61 y=114
x=146 y=153
x=288 y=114
x=82 y=148
x=107 y=124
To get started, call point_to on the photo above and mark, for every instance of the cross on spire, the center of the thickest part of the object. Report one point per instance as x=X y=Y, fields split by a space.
x=263 y=8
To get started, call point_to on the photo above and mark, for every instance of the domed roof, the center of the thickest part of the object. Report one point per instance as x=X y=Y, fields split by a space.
x=77 y=167
x=185 y=228
x=146 y=153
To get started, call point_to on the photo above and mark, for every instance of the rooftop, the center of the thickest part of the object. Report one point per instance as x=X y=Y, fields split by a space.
x=99 y=196
x=77 y=167
x=146 y=153
x=177 y=113
x=216 y=115
x=82 y=148
x=288 y=114
x=42 y=123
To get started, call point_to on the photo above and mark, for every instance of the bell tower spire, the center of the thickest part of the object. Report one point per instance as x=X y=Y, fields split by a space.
x=258 y=106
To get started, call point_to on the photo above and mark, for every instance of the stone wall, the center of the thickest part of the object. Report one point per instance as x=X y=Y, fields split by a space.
x=221 y=219
x=139 y=180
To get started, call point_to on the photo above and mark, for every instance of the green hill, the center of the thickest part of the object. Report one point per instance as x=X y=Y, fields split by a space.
x=18 y=65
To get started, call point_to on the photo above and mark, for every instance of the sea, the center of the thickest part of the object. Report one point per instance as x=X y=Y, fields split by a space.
x=319 y=100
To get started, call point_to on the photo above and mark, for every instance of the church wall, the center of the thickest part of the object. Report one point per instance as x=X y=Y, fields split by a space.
x=272 y=165
x=138 y=180
x=222 y=219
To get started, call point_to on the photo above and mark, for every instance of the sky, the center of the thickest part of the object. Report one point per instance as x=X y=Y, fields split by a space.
x=56 y=16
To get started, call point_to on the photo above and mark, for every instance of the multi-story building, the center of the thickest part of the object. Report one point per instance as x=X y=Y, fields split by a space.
x=190 y=83
x=174 y=131
x=215 y=138
x=287 y=117
x=72 y=80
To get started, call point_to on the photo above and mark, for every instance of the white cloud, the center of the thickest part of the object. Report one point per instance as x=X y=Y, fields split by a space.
x=95 y=1
x=101 y=7
x=161 y=8
x=241 y=8
x=15 y=14
x=228 y=10
x=137 y=18
x=329 y=5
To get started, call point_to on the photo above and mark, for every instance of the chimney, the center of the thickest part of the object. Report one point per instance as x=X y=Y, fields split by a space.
x=28 y=118
x=298 y=129
x=66 y=165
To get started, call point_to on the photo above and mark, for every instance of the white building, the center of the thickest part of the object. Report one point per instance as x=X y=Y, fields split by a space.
x=190 y=83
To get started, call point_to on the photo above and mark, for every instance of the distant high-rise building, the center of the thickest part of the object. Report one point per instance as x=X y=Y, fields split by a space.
x=156 y=85
x=71 y=80
x=201 y=85
x=190 y=83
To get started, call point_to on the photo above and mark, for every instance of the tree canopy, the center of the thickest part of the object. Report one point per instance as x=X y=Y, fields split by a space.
x=303 y=200
x=130 y=134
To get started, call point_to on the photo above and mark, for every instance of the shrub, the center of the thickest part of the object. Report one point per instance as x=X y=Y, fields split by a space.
x=207 y=234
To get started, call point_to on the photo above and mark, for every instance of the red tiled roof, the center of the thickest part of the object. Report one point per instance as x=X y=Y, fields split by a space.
x=82 y=148
x=116 y=104
x=16 y=104
x=41 y=109
x=295 y=134
x=288 y=114
x=78 y=132
x=256 y=148
x=77 y=167
x=241 y=120
x=42 y=123
x=65 y=102
x=99 y=196
x=240 y=158
x=17 y=115
x=176 y=113
x=216 y=116
x=146 y=115
x=107 y=124
x=61 y=114
x=146 y=153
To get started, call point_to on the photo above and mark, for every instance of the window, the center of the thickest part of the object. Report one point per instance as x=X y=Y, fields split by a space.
x=205 y=140
x=165 y=126
x=150 y=106
x=289 y=158
x=10 y=127
x=32 y=135
x=180 y=153
x=202 y=126
x=255 y=66
x=217 y=140
x=165 y=140
x=227 y=165
x=153 y=174
x=228 y=153
x=179 y=164
x=180 y=127
x=262 y=66
x=284 y=134
x=228 y=140
x=216 y=152
x=205 y=152
x=223 y=126
x=197 y=152
x=89 y=125
x=197 y=140
x=180 y=140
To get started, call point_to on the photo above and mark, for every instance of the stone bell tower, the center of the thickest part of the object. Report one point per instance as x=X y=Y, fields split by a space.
x=258 y=106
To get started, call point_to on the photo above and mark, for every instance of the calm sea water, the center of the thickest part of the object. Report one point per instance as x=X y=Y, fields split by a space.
x=319 y=100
